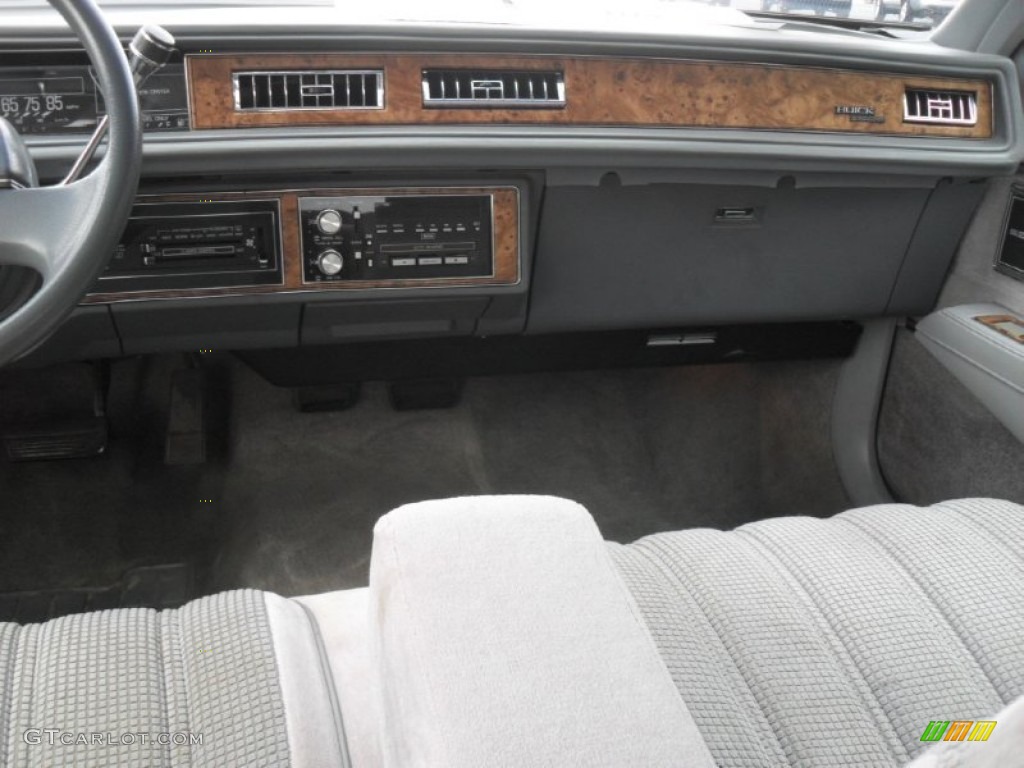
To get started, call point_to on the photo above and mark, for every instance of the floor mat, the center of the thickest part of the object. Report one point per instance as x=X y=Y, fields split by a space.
x=643 y=450
x=289 y=501
x=157 y=586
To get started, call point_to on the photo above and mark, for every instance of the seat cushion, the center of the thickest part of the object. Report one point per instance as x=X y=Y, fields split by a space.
x=232 y=679
x=799 y=641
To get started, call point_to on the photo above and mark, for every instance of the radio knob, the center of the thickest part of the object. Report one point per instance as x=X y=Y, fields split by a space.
x=330 y=263
x=329 y=222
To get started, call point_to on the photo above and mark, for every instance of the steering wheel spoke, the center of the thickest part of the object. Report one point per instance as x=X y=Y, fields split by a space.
x=39 y=226
x=67 y=233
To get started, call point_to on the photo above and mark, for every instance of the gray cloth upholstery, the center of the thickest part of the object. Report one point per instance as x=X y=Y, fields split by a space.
x=503 y=631
x=99 y=689
x=807 y=642
x=501 y=635
x=344 y=620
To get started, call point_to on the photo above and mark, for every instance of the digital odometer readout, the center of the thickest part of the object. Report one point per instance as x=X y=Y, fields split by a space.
x=56 y=100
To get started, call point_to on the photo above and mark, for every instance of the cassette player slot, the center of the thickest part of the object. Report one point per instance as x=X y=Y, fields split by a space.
x=184 y=253
x=198 y=244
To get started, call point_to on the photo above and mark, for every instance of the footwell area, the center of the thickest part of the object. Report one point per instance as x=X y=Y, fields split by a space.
x=290 y=502
x=155 y=586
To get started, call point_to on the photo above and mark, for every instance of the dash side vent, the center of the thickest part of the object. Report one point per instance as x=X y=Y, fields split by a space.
x=493 y=89
x=304 y=90
x=921 y=105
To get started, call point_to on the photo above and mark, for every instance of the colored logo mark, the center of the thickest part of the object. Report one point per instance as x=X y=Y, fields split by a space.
x=958 y=730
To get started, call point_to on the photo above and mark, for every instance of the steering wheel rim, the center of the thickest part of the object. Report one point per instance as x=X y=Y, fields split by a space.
x=68 y=233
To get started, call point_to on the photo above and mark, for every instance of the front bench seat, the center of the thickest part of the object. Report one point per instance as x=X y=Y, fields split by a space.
x=505 y=632
x=241 y=673
x=800 y=641
x=502 y=631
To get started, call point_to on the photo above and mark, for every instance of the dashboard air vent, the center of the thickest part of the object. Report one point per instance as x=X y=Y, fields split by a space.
x=316 y=89
x=940 y=107
x=447 y=88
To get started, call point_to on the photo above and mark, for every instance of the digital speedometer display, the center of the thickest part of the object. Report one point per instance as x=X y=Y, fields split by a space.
x=59 y=100
x=65 y=99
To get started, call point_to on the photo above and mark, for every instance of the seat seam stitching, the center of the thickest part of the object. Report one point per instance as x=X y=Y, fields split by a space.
x=162 y=678
x=327 y=676
x=604 y=554
x=9 y=692
x=36 y=641
x=790 y=574
x=880 y=545
x=663 y=565
x=31 y=639
x=646 y=629
x=260 y=599
x=1011 y=554
x=179 y=640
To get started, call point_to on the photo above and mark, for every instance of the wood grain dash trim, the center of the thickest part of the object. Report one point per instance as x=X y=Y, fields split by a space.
x=603 y=92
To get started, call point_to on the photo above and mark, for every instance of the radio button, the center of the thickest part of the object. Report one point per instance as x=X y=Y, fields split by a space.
x=329 y=222
x=330 y=263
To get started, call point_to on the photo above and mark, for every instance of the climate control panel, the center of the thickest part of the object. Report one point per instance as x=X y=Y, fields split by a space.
x=396 y=235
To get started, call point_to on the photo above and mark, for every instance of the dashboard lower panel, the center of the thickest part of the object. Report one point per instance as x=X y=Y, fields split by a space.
x=462 y=356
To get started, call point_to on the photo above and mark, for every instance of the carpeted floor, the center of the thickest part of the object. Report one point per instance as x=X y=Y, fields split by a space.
x=289 y=503
x=936 y=441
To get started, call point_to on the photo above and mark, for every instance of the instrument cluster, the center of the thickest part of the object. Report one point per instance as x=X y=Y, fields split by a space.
x=65 y=99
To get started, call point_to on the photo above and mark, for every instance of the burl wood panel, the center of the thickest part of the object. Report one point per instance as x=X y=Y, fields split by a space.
x=506 y=245
x=603 y=92
x=998 y=324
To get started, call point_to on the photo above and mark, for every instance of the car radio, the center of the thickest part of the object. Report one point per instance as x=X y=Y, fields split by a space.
x=197 y=245
x=396 y=237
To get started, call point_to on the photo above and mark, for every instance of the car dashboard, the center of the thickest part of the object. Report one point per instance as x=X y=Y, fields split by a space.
x=315 y=184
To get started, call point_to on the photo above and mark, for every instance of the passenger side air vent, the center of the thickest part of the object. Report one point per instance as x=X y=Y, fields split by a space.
x=940 y=107
x=319 y=89
x=446 y=88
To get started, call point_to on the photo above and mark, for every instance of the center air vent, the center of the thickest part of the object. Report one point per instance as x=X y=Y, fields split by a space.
x=319 y=89
x=940 y=107
x=446 y=88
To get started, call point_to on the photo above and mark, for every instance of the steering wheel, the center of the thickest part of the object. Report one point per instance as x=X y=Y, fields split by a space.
x=66 y=234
